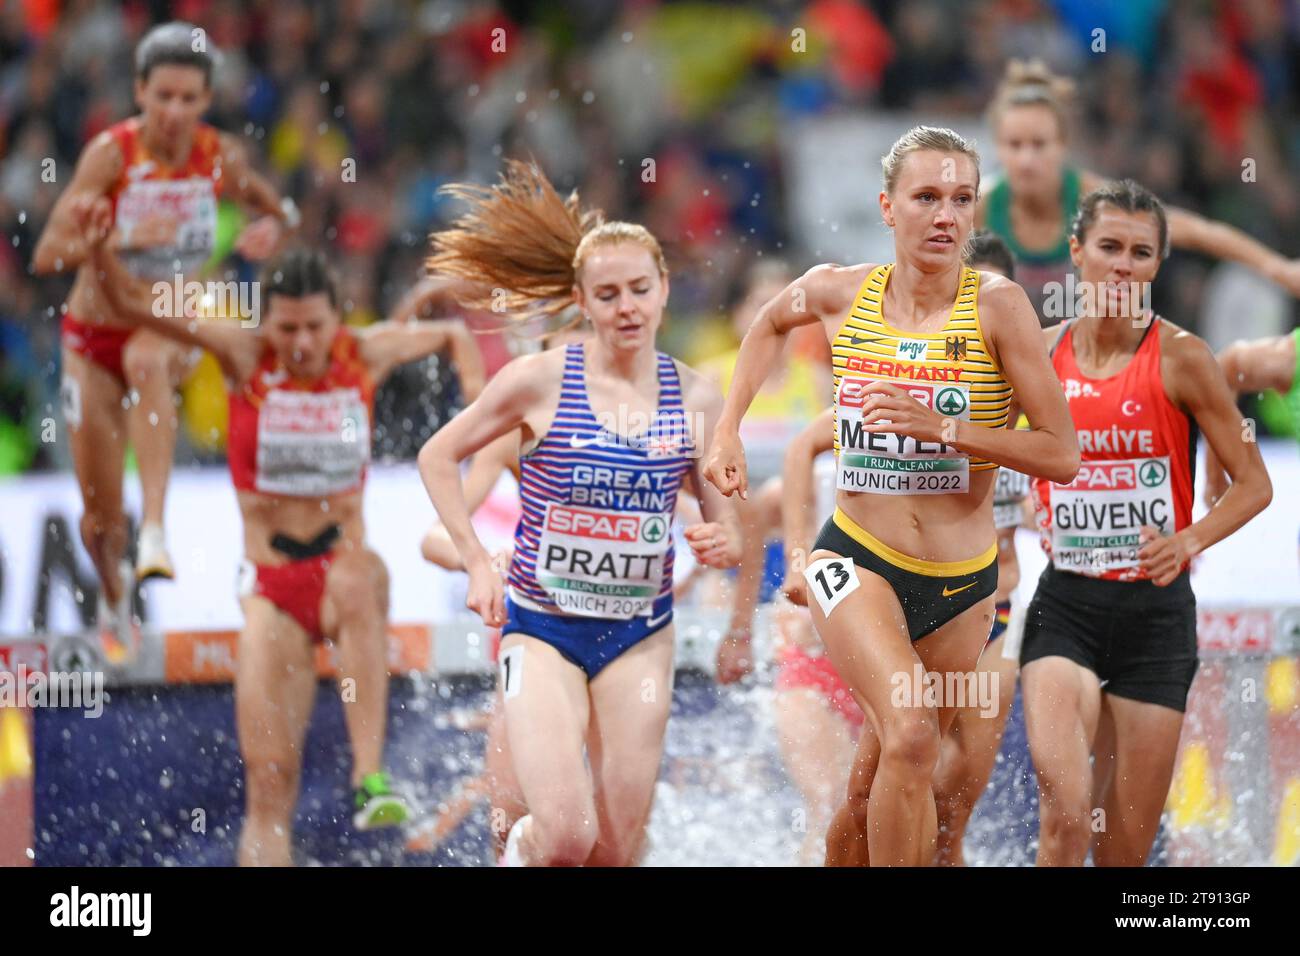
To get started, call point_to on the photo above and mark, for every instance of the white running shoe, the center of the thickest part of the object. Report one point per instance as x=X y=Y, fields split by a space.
x=118 y=634
x=152 y=559
x=511 y=856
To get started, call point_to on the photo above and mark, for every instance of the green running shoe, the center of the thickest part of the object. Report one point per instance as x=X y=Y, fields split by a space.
x=376 y=804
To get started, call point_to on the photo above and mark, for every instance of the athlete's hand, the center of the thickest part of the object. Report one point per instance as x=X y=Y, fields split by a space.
x=94 y=218
x=888 y=408
x=724 y=466
x=795 y=589
x=487 y=593
x=735 y=657
x=258 y=239
x=711 y=545
x=1163 y=557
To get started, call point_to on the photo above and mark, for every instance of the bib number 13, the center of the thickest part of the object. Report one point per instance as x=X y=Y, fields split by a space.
x=830 y=581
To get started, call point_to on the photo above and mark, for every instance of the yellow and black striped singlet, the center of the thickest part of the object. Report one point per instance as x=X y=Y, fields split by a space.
x=949 y=371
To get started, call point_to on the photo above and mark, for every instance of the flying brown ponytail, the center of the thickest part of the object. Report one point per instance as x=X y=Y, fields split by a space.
x=522 y=245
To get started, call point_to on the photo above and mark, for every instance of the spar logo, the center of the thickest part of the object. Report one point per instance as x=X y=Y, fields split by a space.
x=1152 y=474
x=1108 y=476
x=600 y=525
x=950 y=401
x=654 y=529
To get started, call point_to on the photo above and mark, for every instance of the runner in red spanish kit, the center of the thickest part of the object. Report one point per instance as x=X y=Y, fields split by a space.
x=162 y=172
x=301 y=393
x=1110 y=636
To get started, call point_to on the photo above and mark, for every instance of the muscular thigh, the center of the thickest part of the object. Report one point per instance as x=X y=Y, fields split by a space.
x=177 y=359
x=865 y=631
x=95 y=419
x=357 y=583
x=1062 y=708
x=547 y=711
x=630 y=701
x=275 y=683
x=953 y=651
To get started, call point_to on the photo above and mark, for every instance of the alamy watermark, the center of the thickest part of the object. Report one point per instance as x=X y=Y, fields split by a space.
x=659 y=433
x=129 y=910
x=965 y=689
x=1074 y=298
x=74 y=689
x=229 y=299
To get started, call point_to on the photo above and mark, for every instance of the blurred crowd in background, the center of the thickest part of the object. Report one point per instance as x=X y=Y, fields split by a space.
x=418 y=94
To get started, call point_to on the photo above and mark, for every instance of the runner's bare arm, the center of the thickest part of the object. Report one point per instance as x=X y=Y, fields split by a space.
x=260 y=238
x=1187 y=230
x=488 y=465
x=821 y=292
x=1049 y=448
x=1250 y=367
x=798 y=523
x=716 y=540
x=485 y=469
x=436 y=548
x=520 y=386
x=1050 y=336
x=134 y=301
x=1259 y=365
x=1199 y=387
x=432 y=297
x=62 y=246
x=688 y=506
x=386 y=345
x=247 y=186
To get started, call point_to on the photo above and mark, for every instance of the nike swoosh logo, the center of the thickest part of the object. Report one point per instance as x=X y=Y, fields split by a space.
x=856 y=340
x=947 y=593
x=576 y=442
x=656 y=621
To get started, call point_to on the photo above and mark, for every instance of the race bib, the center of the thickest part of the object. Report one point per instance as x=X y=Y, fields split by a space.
x=512 y=671
x=598 y=563
x=1098 y=517
x=246 y=579
x=312 y=443
x=889 y=464
x=830 y=581
x=70 y=400
x=189 y=203
x=1011 y=489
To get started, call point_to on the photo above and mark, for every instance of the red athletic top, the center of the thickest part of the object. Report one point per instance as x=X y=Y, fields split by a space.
x=303 y=438
x=1138 y=454
x=187 y=194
